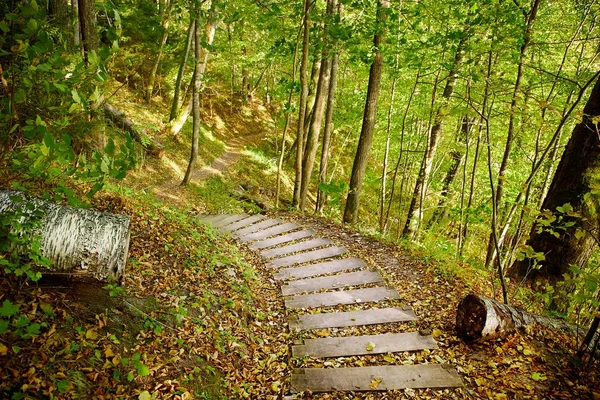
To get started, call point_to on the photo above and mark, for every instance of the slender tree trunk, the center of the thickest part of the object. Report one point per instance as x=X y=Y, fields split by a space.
x=384 y=170
x=195 y=101
x=326 y=145
x=415 y=210
x=312 y=139
x=529 y=19
x=367 y=132
x=287 y=120
x=302 y=108
x=401 y=153
x=58 y=10
x=163 y=41
x=456 y=157
x=209 y=35
x=87 y=22
x=186 y=54
x=75 y=22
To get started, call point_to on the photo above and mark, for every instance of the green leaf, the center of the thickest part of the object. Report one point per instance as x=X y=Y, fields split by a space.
x=3 y=326
x=536 y=376
x=110 y=148
x=145 y=395
x=8 y=309
x=20 y=96
x=31 y=26
x=63 y=386
x=76 y=97
x=143 y=370
x=130 y=376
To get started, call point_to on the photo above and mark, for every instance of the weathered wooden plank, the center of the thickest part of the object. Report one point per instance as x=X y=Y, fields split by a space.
x=294 y=248
x=229 y=220
x=322 y=268
x=274 y=230
x=341 y=297
x=214 y=218
x=362 y=378
x=267 y=223
x=360 y=345
x=241 y=223
x=314 y=255
x=331 y=282
x=276 y=240
x=371 y=316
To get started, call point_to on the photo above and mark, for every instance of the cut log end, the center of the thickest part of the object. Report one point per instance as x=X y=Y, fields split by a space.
x=470 y=318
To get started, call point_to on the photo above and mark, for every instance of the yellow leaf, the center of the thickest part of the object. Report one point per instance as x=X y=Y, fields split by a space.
x=145 y=395
x=3 y=349
x=91 y=334
x=375 y=383
x=323 y=333
x=108 y=353
x=275 y=386
x=370 y=346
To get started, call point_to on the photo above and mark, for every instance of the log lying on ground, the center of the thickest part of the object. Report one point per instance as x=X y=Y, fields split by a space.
x=150 y=145
x=76 y=240
x=482 y=318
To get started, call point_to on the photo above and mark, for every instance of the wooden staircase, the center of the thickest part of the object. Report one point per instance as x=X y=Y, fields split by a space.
x=300 y=261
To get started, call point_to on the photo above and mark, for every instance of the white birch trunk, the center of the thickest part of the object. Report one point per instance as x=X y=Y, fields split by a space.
x=78 y=240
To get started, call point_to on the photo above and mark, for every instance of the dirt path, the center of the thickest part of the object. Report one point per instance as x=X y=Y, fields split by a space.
x=171 y=190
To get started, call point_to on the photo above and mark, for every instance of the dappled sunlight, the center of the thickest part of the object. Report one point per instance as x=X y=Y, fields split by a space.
x=173 y=166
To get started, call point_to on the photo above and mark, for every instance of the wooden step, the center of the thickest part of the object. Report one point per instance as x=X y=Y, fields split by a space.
x=275 y=230
x=331 y=282
x=229 y=220
x=352 y=318
x=314 y=255
x=378 y=378
x=277 y=240
x=256 y=227
x=294 y=248
x=215 y=218
x=361 y=345
x=241 y=223
x=341 y=297
x=322 y=268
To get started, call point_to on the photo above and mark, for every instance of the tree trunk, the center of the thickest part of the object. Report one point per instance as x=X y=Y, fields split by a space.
x=367 y=131
x=483 y=318
x=415 y=210
x=302 y=108
x=163 y=41
x=314 y=131
x=87 y=22
x=456 y=157
x=59 y=12
x=529 y=19
x=196 y=103
x=77 y=241
x=75 y=22
x=571 y=183
x=186 y=54
x=209 y=32
x=151 y=146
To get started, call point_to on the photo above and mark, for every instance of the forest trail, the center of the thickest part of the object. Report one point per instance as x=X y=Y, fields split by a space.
x=170 y=189
x=329 y=294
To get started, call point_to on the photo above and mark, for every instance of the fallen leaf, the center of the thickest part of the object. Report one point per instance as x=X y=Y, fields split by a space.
x=145 y=395
x=370 y=346
x=91 y=334
x=375 y=383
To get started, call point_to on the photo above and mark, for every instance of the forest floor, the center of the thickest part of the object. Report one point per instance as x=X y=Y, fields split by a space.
x=199 y=316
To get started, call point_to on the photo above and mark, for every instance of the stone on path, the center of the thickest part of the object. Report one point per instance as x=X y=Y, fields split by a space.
x=241 y=223
x=352 y=318
x=331 y=282
x=277 y=240
x=361 y=345
x=375 y=378
x=294 y=248
x=341 y=297
x=314 y=255
x=322 y=268
x=229 y=220
x=275 y=230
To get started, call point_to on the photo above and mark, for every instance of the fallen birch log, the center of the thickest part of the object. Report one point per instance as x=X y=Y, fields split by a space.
x=76 y=240
x=483 y=318
x=118 y=117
